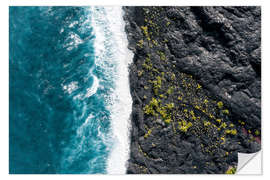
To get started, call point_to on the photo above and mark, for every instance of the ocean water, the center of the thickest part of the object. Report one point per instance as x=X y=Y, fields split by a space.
x=69 y=99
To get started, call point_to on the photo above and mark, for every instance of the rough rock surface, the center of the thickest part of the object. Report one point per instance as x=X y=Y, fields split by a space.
x=196 y=87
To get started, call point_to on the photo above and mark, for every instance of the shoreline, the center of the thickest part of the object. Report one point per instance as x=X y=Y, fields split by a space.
x=121 y=99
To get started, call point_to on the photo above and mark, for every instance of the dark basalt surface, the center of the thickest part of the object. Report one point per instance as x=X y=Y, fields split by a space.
x=196 y=87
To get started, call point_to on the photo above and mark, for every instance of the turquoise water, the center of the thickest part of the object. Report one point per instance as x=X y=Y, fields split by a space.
x=59 y=120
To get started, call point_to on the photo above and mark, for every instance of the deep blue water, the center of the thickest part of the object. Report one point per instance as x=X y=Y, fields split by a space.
x=58 y=120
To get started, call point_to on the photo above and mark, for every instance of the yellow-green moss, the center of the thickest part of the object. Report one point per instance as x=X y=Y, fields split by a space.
x=140 y=43
x=161 y=96
x=162 y=111
x=257 y=132
x=145 y=31
x=173 y=76
x=148 y=133
x=231 y=125
x=156 y=84
x=223 y=125
x=159 y=81
x=170 y=90
x=155 y=42
x=149 y=109
x=161 y=55
x=154 y=102
x=220 y=104
x=225 y=111
x=206 y=123
x=231 y=131
x=170 y=106
x=223 y=140
x=155 y=107
x=184 y=126
x=162 y=74
x=241 y=122
x=147 y=63
x=168 y=121
x=147 y=66
x=231 y=170
x=218 y=120
x=211 y=116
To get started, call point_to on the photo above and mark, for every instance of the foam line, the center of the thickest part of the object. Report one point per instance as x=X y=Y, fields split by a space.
x=93 y=89
x=111 y=46
x=122 y=107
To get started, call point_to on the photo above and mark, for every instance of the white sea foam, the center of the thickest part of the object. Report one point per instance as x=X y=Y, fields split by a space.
x=80 y=130
x=93 y=89
x=73 y=24
x=112 y=52
x=73 y=41
x=71 y=87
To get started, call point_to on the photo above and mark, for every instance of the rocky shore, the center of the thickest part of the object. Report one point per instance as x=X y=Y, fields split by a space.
x=195 y=82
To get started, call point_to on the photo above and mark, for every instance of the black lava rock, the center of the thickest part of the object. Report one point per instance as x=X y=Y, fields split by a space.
x=195 y=82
